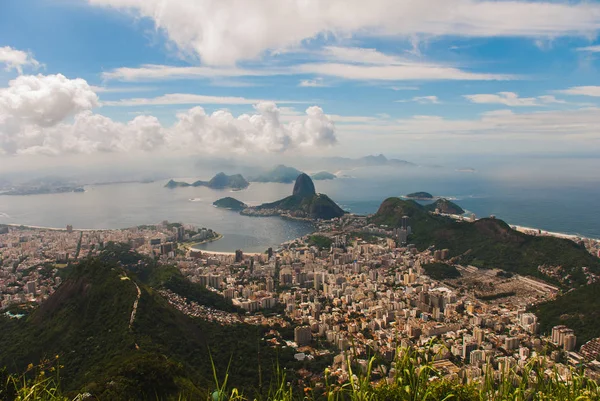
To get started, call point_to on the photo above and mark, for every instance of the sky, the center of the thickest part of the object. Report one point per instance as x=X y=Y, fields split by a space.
x=113 y=79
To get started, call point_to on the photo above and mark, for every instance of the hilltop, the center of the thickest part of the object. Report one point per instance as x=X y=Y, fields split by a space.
x=280 y=173
x=303 y=203
x=490 y=243
x=445 y=206
x=219 y=181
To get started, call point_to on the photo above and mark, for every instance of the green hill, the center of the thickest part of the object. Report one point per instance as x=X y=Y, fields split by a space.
x=86 y=322
x=489 y=243
x=230 y=203
x=579 y=309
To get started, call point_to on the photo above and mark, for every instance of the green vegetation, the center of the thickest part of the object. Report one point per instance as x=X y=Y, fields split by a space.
x=320 y=241
x=420 y=196
x=491 y=297
x=445 y=206
x=162 y=354
x=280 y=173
x=304 y=202
x=441 y=271
x=489 y=243
x=579 y=309
x=219 y=181
x=230 y=203
x=415 y=379
x=323 y=175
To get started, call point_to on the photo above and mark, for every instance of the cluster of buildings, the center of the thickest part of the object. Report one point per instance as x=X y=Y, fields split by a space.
x=368 y=292
x=31 y=258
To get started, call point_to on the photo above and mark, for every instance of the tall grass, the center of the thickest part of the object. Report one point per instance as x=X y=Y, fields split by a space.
x=414 y=378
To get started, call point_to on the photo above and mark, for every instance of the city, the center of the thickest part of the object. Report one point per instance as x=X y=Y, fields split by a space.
x=350 y=290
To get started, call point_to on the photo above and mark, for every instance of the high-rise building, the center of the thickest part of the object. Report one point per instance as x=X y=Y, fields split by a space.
x=302 y=335
x=30 y=287
x=569 y=342
x=468 y=347
x=239 y=256
x=405 y=220
x=511 y=343
x=3 y=229
x=69 y=228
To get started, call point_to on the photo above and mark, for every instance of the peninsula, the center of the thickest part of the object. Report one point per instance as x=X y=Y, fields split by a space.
x=304 y=203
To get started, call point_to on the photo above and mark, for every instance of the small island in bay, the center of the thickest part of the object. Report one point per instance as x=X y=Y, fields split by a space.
x=323 y=175
x=219 y=181
x=230 y=203
x=280 y=174
x=420 y=196
x=445 y=206
x=304 y=203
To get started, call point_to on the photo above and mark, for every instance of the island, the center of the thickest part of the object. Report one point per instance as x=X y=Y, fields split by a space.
x=445 y=206
x=230 y=203
x=420 y=196
x=281 y=174
x=323 y=175
x=304 y=203
x=219 y=181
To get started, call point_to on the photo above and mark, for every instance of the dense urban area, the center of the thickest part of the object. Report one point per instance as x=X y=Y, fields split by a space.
x=352 y=288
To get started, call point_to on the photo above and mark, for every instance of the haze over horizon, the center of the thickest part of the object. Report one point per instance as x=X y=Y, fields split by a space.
x=94 y=82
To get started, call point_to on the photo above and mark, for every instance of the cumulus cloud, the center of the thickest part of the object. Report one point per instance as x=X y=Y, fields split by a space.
x=54 y=115
x=218 y=30
x=512 y=99
x=14 y=59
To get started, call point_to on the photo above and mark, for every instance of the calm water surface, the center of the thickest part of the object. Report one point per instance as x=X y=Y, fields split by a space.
x=570 y=207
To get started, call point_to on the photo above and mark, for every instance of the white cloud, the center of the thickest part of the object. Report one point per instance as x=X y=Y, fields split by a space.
x=312 y=83
x=410 y=71
x=226 y=31
x=159 y=72
x=122 y=89
x=188 y=98
x=14 y=59
x=582 y=91
x=512 y=99
x=421 y=100
x=45 y=100
x=36 y=112
x=426 y=99
x=591 y=49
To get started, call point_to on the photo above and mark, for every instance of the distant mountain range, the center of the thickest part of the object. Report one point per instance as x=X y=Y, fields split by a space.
x=219 y=181
x=344 y=163
x=279 y=173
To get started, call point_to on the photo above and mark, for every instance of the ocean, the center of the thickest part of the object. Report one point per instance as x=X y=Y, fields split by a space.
x=540 y=199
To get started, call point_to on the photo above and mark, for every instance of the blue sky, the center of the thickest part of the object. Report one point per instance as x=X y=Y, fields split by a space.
x=385 y=76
